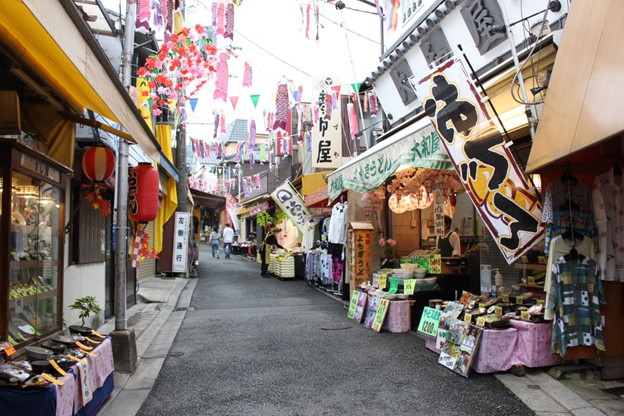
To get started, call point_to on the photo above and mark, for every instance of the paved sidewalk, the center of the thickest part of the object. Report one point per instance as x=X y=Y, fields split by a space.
x=155 y=319
x=162 y=307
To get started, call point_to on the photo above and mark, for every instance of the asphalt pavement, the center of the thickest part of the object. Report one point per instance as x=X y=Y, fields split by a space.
x=230 y=342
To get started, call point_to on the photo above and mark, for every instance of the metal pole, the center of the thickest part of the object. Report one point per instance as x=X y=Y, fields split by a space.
x=121 y=322
x=122 y=235
x=514 y=53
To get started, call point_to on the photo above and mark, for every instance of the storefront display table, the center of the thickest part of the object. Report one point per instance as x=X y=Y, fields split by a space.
x=398 y=317
x=68 y=399
x=525 y=343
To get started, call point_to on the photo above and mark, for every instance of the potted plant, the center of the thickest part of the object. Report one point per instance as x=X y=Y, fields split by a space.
x=87 y=306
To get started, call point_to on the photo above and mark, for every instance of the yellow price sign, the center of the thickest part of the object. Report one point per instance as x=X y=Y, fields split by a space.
x=383 y=280
x=408 y=286
x=467 y=317
x=48 y=377
x=94 y=332
x=481 y=305
x=9 y=350
x=498 y=311
x=58 y=368
x=481 y=321
x=518 y=301
x=541 y=301
x=505 y=297
x=531 y=280
x=525 y=315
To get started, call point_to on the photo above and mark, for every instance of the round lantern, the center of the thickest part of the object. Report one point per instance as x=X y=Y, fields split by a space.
x=395 y=204
x=98 y=163
x=143 y=193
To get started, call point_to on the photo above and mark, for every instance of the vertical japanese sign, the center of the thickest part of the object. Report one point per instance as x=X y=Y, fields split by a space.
x=360 y=254
x=327 y=133
x=292 y=204
x=500 y=192
x=180 y=241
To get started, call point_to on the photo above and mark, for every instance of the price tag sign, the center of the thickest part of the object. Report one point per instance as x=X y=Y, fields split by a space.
x=505 y=297
x=467 y=317
x=481 y=305
x=9 y=350
x=481 y=321
x=83 y=347
x=541 y=259
x=498 y=311
x=355 y=296
x=531 y=280
x=435 y=265
x=97 y=335
x=48 y=377
x=92 y=341
x=541 y=301
x=394 y=285
x=429 y=321
x=380 y=315
x=524 y=315
x=383 y=281
x=71 y=357
x=58 y=368
x=408 y=286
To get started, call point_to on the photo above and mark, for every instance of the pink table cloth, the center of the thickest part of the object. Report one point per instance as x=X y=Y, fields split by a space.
x=397 y=318
x=98 y=369
x=525 y=343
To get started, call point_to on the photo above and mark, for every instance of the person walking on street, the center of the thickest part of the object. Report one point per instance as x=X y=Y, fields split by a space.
x=270 y=240
x=215 y=236
x=228 y=239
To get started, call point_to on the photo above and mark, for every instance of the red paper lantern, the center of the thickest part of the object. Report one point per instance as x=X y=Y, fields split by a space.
x=98 y=163
x=143 y=193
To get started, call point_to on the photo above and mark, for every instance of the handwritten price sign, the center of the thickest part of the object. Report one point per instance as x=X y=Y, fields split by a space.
x=408 y=286
x=429 y=321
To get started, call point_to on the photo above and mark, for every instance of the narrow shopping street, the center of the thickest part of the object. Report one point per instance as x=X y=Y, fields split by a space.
x=256 y=346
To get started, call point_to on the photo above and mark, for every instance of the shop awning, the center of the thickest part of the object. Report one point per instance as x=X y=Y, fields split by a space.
x=207 y=200
x=415 y=145
x=50 y=39
x=584 y=101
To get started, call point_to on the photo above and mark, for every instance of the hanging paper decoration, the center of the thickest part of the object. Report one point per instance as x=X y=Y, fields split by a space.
x=143 y=193
x=270 y=121
x=279 y=144
x=213 y=11
x=208 y=150
x=247 y=75
x=252 y=133
x=228 y=32
x=287 y=145
x=221 y=84
x=216 y=126
x=374 y=105
x=263 y=152
x=234 y=100
x=328 y=107
x=271 y=158
x=238 y=152
x=222 y=126
x=251 y=158
x=257 y=181
x=254 y=99
x=308 y=136
x=393 y=15
x=98 y=163
x=193 y=102
x=220 y=19
x=181 y=67
x=353 y=121
x=245 y=187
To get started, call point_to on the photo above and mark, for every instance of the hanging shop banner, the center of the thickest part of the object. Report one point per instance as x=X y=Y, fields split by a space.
x=416 y=146
x=180 y=241
x=261 y=207
x=292 y=204
x=327 y=134
x=231 y=207
x=499 y=190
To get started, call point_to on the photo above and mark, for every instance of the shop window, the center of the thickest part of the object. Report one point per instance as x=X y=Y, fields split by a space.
x=88 y=230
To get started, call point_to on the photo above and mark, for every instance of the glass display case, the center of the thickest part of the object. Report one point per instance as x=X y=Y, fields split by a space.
x=31 y=216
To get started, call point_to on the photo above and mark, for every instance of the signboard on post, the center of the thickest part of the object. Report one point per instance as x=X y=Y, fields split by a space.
x=180 y=242
x=359 y=246
x=327 y=133
x=292 y=204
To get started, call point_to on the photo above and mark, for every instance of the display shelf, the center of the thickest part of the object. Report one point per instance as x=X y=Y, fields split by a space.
x=31 y=299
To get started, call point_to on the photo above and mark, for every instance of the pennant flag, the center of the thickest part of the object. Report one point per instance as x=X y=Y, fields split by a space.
x=336 y=89
x=193 y=103
x=356 y=87
x=247 y=75
x=296 y=96
x=254 y=99
x=234 y=100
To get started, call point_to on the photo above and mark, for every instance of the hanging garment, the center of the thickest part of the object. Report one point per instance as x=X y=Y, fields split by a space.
x=568 y=204
x=338 y=224
x=559 y=248
x=608 y=195
x=575 y=297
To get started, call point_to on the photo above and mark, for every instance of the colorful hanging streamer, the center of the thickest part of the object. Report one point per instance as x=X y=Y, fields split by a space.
x=229 y=22
x=221 y=84
x=247 y=75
